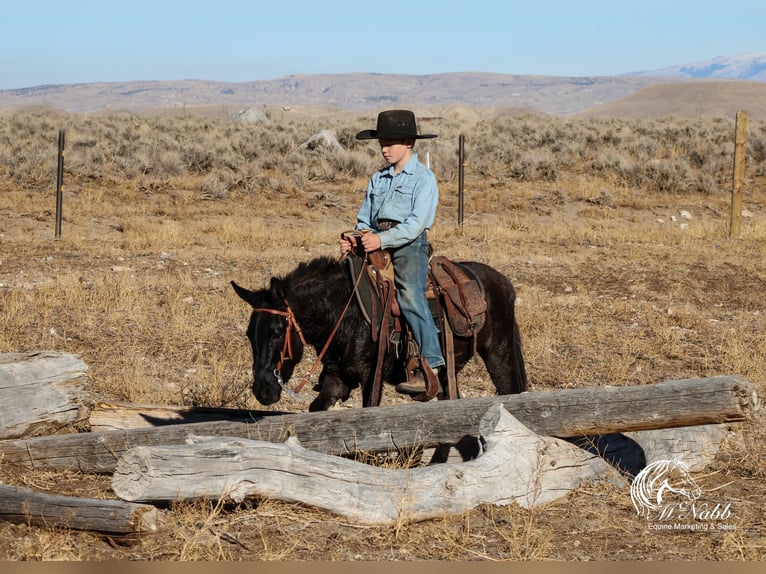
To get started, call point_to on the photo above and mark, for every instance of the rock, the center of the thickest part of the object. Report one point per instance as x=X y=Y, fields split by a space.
x=252 y=116
x=322 y=141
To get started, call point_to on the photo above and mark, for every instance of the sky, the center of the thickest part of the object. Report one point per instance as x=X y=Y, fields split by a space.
x=68 y=42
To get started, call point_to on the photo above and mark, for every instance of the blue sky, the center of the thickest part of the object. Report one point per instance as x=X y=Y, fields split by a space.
x=64 y=42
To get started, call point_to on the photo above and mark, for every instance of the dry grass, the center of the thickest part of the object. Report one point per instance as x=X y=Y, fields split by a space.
x=615 y=288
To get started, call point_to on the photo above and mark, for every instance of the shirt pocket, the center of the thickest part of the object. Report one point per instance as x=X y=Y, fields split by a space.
x=402 y=200
x=377 y=197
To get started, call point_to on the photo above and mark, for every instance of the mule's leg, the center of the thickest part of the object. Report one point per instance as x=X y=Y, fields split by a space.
x=331 y=389
x=332 y=392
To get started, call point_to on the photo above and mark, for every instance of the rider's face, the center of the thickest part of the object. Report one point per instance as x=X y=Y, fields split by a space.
x=396 y=152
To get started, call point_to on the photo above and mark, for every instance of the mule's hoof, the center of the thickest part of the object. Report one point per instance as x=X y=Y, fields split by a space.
x=322 y=404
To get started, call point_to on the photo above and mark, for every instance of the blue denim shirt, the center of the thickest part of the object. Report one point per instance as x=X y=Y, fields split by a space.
x=410 y=197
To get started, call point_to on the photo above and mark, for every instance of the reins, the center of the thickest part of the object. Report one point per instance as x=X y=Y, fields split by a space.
x=287 y=347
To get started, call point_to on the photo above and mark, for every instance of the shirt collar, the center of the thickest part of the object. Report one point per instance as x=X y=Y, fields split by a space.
x=408 y=168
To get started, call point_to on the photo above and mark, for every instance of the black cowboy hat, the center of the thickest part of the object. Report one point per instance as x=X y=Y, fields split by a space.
x=394 y=125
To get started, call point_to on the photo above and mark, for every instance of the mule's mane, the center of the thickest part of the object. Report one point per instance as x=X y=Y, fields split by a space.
x=317 y=291
x=314 y=272
x=318 y=287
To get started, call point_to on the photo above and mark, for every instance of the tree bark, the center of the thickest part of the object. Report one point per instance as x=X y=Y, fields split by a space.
x=562 y=413
x=517 y=466
x=40 y=392
x=23 y=505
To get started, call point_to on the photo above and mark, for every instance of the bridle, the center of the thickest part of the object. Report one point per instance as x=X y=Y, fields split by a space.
x=287 y=346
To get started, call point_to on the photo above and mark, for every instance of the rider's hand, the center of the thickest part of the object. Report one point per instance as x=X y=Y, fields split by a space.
x=346 y=244
x=371 y=242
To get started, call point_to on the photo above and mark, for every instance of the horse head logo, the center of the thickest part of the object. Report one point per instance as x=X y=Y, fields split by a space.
x=660 y=479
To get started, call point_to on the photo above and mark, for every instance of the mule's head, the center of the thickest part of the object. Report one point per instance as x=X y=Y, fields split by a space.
x=274 y=358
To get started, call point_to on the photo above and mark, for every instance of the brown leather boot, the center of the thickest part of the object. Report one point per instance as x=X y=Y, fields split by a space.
x=417 y=384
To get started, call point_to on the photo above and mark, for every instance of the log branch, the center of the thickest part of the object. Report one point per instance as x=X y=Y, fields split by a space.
x=122 y=416
x=24 y=505
x=517 y=466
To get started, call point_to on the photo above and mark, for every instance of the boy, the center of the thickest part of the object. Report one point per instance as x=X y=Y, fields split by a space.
x=398 y=209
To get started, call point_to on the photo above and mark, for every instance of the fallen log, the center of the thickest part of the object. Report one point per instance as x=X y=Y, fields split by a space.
x=561 y=413
x=40 y=392
x=517 y=466
x=24 y=505
x=631 y=452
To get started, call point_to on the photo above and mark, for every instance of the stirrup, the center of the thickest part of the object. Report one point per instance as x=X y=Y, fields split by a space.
x=420 y=383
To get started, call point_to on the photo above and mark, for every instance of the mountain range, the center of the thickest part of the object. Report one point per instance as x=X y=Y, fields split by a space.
x=743 y=67
x=556 y=95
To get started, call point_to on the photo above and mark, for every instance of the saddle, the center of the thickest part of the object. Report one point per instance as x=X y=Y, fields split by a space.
x=462 y=295
x=456 y=299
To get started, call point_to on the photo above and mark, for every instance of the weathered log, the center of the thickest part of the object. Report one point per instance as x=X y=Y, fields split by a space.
x=631 y=452
x=121 y=416
x=27 y=506
x=697 y=445
x=40 y=392
x=561 y=413
x=517 y=466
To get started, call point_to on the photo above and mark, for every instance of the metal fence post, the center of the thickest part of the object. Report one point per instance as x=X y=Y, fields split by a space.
x=60 y=184
x=461 y=178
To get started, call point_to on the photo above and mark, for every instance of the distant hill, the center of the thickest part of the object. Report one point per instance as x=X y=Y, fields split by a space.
x=360 y=91
x=742 y=67
x=703 y=100
x=681 y=90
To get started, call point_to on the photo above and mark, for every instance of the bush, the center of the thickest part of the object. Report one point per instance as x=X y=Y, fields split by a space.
x=669 y=155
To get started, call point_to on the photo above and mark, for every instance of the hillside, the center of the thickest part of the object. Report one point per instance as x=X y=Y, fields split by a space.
x=697 y=100
x=361 y=91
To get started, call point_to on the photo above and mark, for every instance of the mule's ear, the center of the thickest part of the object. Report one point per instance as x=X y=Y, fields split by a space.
x=277 y=288
x=246 y=295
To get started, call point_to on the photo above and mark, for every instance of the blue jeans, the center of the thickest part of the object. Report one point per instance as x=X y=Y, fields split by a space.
x=411 y=270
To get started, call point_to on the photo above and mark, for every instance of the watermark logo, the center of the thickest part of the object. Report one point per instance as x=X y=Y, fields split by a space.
x=655 y=484
x=668 y=496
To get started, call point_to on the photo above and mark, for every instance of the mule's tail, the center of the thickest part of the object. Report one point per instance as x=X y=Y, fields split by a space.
x=519 y=369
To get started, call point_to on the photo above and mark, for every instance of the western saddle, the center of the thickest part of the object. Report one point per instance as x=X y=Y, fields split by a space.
x=455 y=296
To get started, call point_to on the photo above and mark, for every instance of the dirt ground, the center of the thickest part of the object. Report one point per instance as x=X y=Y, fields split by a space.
x=666 y=302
